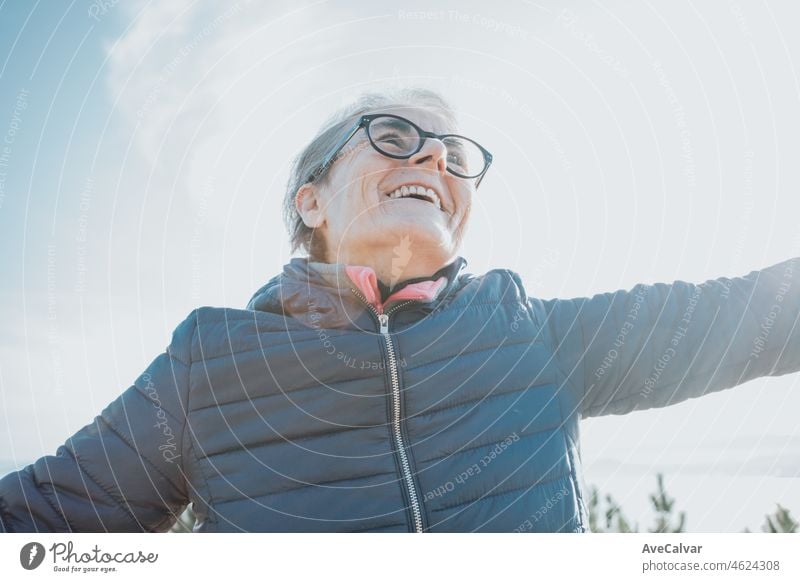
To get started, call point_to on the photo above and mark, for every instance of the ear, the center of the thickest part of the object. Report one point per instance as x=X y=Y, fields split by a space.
x=309 y=205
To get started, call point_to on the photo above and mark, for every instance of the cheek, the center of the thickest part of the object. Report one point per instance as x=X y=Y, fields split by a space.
x=359 y=186
x=463 y=199
x=338 y=212
x=467 y=209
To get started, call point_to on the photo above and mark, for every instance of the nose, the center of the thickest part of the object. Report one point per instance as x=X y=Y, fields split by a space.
x=433 y=155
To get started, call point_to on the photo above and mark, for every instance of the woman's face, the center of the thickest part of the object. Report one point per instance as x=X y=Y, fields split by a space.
x=355 y=212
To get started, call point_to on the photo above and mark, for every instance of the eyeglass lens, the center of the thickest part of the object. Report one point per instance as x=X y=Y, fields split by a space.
x=397 y=138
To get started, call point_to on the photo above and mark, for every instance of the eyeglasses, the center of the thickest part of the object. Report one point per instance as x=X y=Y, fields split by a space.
x=398 y=138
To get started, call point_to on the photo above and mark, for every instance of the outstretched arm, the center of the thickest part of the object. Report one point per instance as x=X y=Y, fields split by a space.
x=656 y=345
x=122 y=472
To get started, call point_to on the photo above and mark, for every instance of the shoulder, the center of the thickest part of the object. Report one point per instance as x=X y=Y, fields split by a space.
x=499 y=285
x=204 y=327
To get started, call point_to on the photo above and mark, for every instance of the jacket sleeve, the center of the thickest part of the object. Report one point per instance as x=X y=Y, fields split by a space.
x=660 y=344
x=123 y=472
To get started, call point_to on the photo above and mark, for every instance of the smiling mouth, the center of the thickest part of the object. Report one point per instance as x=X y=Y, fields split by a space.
x=417 y=192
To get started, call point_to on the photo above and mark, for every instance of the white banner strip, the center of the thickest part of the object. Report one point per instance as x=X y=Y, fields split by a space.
x=348 y=557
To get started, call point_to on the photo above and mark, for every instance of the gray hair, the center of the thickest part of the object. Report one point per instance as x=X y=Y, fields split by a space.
x=312 y=156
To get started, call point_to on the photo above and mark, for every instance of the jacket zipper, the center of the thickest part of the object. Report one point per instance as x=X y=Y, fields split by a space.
x=394 y=378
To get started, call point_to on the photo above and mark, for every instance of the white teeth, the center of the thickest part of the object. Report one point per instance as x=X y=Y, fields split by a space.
x=418 y=191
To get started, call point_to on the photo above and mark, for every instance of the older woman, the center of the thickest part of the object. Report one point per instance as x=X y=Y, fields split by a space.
x=376 y=386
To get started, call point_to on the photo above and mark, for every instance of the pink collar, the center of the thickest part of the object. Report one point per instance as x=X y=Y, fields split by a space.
x=367 y=282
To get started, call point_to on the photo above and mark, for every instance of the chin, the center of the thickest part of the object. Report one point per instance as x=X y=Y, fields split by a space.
x=414 y=235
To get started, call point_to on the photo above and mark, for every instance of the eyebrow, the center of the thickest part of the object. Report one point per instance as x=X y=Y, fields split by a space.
x=395 y=123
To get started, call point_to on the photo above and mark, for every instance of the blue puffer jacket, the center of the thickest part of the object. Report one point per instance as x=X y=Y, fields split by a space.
x=298 y=414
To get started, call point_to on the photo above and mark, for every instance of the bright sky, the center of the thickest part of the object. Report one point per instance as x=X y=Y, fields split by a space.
x=144 y=148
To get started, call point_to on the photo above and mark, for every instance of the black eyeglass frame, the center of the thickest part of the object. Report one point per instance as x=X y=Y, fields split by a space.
x=364 y=122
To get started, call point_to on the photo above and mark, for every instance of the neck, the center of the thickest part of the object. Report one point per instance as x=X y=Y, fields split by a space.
x=393 y=267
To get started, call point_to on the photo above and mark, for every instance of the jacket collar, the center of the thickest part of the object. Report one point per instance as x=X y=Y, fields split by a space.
x=380 y=295
x=319 y=294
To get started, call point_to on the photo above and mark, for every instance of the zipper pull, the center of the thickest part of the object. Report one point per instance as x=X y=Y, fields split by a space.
x=383 y=319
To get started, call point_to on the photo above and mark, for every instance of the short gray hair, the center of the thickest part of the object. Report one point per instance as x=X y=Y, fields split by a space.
x=312 y=156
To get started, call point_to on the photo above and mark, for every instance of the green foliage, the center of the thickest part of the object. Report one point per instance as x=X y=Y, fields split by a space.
x=666 y=520
x=664 y=511
x=780 y=521
x=615 y=520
